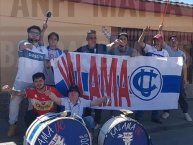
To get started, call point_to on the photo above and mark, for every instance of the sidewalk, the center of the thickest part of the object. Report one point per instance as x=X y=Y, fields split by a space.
x=175 y=121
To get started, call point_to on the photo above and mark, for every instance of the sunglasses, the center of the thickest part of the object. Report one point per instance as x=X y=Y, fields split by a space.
x=34 y=33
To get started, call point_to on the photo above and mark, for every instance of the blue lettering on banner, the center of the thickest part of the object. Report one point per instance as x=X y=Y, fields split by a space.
x=146 y=82
x=31 y=55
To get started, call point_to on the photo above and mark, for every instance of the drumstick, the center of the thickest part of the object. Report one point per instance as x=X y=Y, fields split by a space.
x=48 y=15
x=66 y=113
x=164 y=14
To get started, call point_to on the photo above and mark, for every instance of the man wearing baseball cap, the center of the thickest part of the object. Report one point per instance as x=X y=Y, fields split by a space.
x=156 y=51
x=76 y=105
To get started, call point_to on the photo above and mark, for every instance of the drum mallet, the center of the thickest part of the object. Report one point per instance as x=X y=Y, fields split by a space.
x=49 y=14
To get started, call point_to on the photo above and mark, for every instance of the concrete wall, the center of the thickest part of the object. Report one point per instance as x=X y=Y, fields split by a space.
x=71 y=21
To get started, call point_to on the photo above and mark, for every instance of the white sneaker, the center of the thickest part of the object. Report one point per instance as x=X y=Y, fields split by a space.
x=187 y=117
x=165 y=115
x=97 y=126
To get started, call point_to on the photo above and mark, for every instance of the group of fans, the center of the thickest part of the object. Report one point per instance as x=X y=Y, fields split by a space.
x=35 y=76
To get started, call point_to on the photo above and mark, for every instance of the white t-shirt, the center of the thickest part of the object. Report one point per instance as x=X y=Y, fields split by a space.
x=30 y=62
x=152 y=51
x=77 y=108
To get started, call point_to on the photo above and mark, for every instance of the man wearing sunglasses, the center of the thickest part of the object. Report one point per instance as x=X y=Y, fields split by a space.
x=31 y=60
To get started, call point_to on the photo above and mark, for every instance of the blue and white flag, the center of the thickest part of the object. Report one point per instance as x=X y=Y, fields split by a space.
x=134 y=83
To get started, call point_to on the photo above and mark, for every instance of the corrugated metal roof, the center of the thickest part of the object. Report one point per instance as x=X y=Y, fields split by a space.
x=181 y=4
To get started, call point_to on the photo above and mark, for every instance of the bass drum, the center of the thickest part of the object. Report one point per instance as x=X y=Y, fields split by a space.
x=51 y=130
x=123 y=130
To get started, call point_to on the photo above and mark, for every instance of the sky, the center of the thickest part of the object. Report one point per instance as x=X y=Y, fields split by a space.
x=184 y=1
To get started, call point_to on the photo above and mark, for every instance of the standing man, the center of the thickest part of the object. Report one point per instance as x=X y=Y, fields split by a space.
x=174 y=51
x=120 y=47
x=93 y=47
x=39 y=98
x=155 y=50
x=31 y=60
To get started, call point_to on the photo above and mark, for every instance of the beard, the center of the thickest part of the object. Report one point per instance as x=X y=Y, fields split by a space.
x=40 y=88
x=31 y=40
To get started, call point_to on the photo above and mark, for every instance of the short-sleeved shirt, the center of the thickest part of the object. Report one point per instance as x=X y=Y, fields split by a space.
x=53 y=53
x=127 y=51
x=41 y=103
x=30 y=62
x=152 y=51
x=99 y=49
x=77 y=108
x=175 y=53
x=48 y=72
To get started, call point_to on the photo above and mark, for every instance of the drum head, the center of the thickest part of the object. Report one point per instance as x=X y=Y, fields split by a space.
x=127 y=132
x=61 y=131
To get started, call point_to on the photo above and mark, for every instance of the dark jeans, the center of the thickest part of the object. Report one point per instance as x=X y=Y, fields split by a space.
x=182 y=100
x=30 y=116
x=154 y=114
x=97 y=118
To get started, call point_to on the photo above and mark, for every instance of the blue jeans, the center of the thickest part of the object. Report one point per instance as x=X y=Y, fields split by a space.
x=154 y=114
x=89 y=122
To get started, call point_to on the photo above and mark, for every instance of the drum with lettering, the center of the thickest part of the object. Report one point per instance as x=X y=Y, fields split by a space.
x=123 y=130
x=51 y=130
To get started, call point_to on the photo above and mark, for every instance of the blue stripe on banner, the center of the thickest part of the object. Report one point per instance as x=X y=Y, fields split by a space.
x=171 y=84
x=85 y=81
x=62 y=87
x=31 y=55
x=75 y=74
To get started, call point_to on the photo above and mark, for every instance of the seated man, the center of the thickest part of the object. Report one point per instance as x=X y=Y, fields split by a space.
x=76 y=104
x=39 y=98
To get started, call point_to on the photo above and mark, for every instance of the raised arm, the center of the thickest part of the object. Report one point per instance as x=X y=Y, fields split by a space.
x=114 y=44
x=53 y=97
x=8 y=89
x=161 y=32
x=45 y=26
x=141 y=38
x=99 y=101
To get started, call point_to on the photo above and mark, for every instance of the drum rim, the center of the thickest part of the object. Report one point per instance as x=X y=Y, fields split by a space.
x=51 y=121
x=131 y=119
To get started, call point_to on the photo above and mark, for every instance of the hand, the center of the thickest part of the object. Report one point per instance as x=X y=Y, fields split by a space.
x=108 y=101
x=118 y=42
x=6 y=88
x=48 y=92
x=45 y=26
x=65 y=51
x=146 y=29
x=28 y=45
x=185 y=81
x=161 y=27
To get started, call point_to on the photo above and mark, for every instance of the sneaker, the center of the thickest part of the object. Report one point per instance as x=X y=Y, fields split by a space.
x=187 y=117
x=11 y=131
x=156 y=121
x=97 y=126
x=165 y=115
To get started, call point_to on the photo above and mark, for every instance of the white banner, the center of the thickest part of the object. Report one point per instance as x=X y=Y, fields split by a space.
x=134 y=83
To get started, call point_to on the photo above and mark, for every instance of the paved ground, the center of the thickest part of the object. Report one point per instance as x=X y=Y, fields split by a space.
x=175 y=121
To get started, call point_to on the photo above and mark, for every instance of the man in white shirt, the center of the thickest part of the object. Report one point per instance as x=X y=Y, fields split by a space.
x=31 y=55
x=153 y=51
x=76 y=105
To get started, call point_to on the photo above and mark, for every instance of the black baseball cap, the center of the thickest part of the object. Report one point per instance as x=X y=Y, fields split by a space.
x=74 y=88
